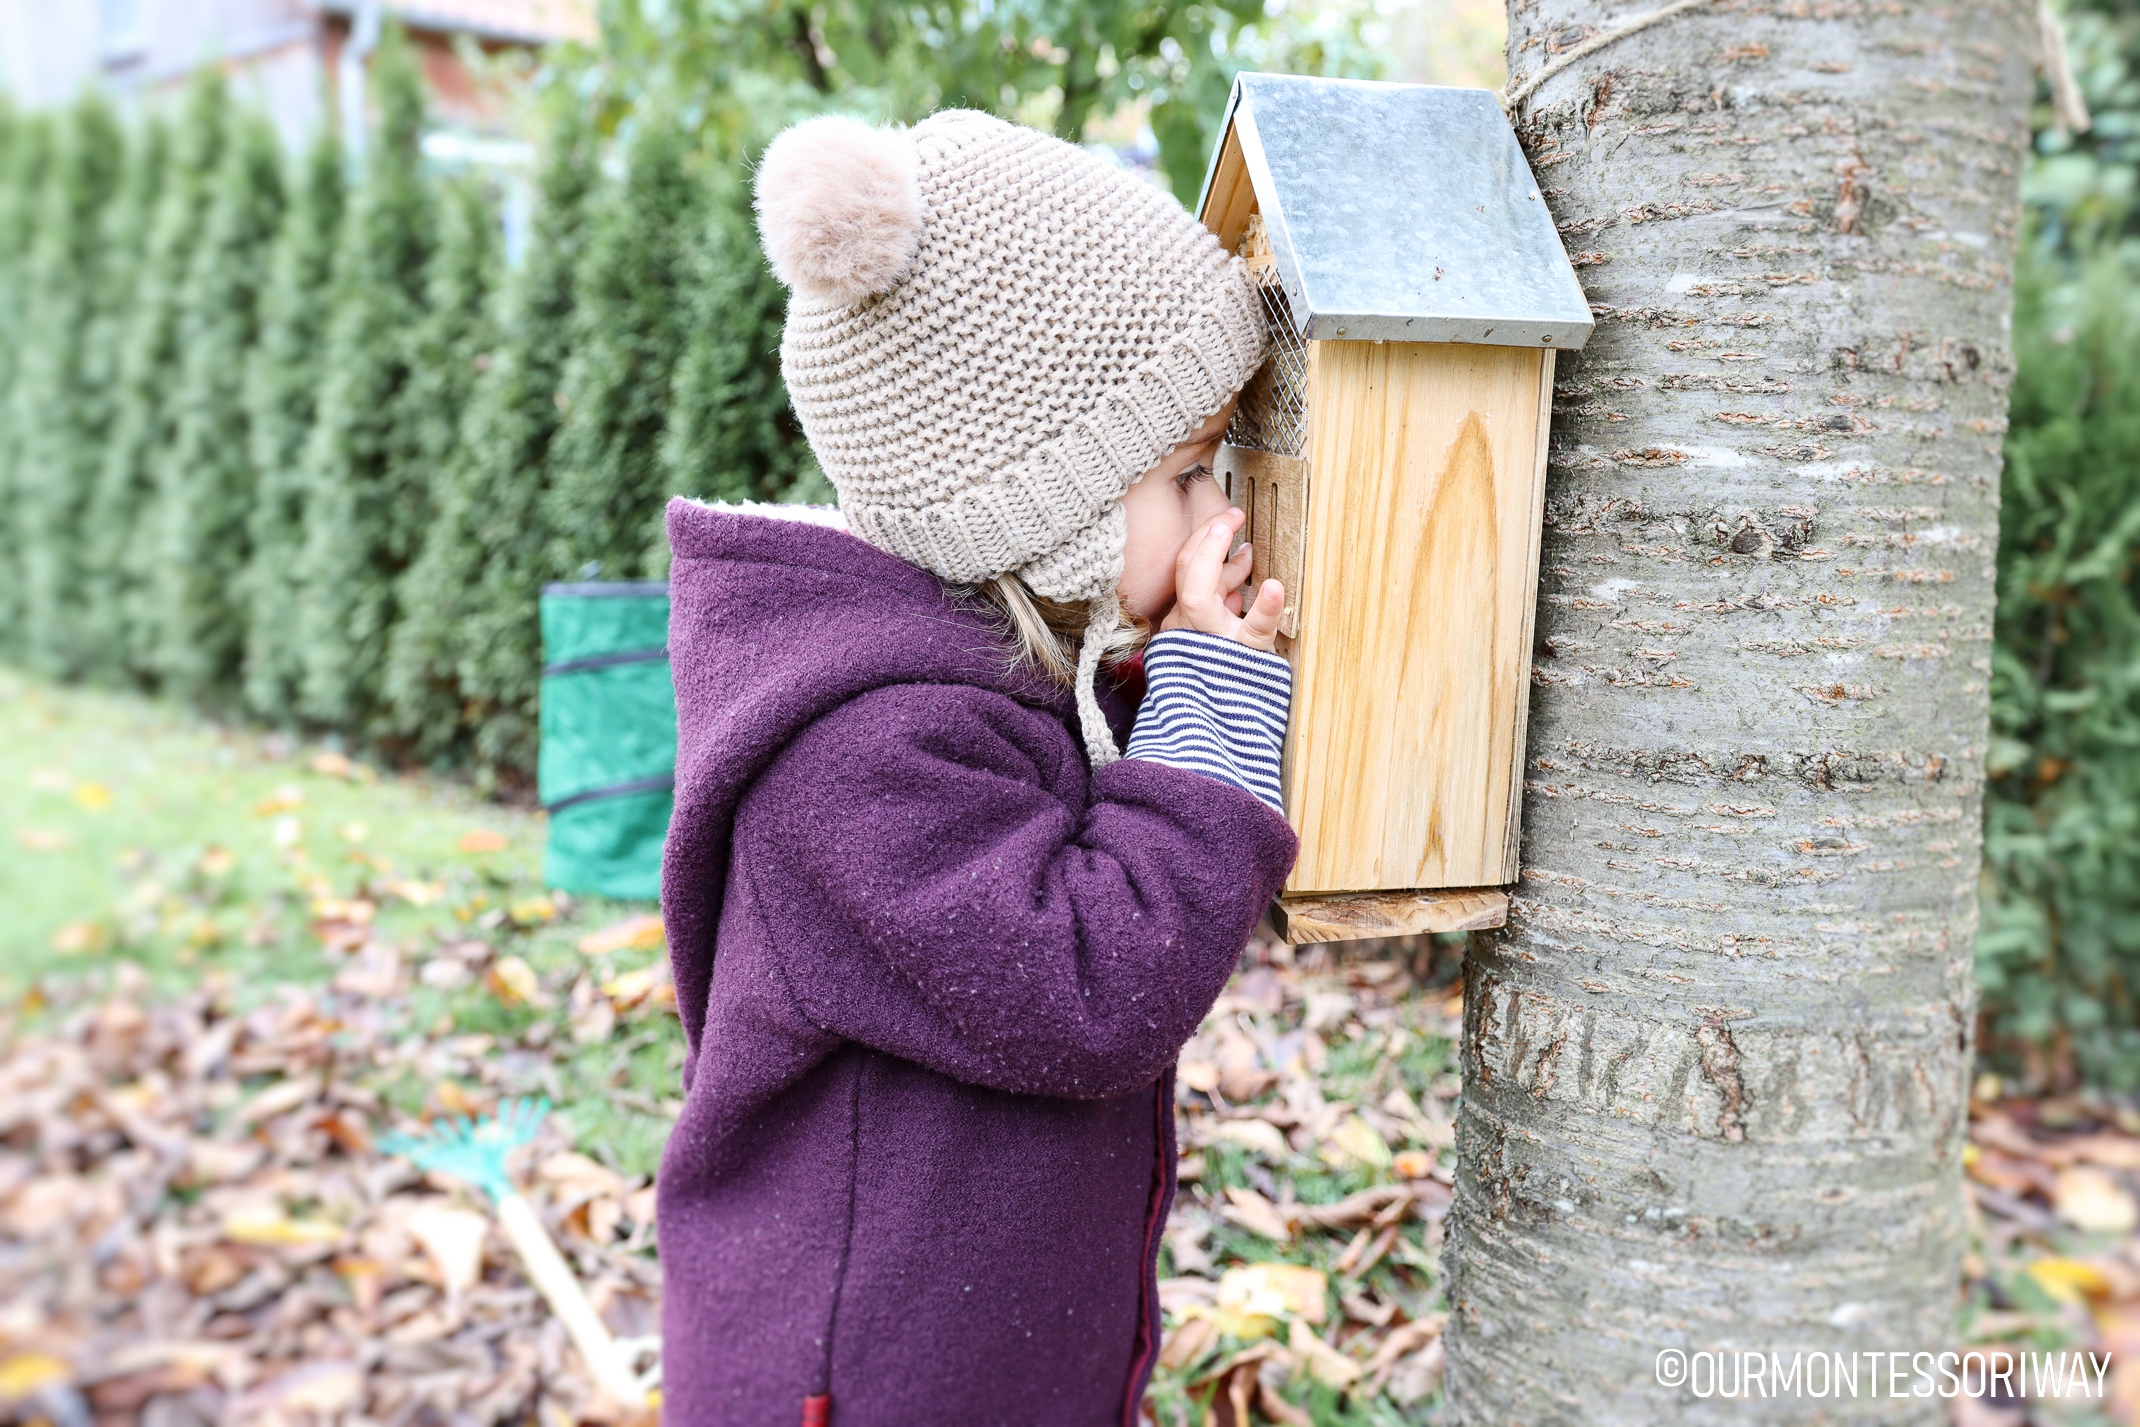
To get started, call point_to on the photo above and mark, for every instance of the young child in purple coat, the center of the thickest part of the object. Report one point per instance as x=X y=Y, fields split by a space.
x=938 y=931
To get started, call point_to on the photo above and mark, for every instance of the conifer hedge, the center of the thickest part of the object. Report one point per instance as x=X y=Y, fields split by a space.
x=287 y=436
x=204 y=479
x=60 y=404
x=279 y=397
x=120 y=532
x=365 y=491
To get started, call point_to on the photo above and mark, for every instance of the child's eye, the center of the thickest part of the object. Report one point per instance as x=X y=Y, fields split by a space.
x=1190 y=475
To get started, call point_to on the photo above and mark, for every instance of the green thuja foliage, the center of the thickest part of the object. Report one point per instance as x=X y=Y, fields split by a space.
x=470 y=604
x=205 y=479
x=24 y=151
x=604 y=505
x=2059 y=952
x=119 y=531
x=281 y=382
x=59 y=411
x=731 y=433
x=452 y=345
x=365 y=492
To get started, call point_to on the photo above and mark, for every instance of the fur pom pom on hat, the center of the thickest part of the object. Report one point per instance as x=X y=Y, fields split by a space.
x=839 y=205
x=993 y=332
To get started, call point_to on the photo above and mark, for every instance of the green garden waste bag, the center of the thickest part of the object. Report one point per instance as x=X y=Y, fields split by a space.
x=607 y=769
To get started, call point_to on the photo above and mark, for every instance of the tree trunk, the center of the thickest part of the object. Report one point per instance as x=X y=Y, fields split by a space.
x=1716 y=1069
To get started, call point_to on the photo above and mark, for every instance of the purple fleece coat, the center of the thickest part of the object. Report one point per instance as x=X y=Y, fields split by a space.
x=934 y=974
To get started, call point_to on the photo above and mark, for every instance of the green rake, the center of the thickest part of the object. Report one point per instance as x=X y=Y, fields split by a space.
x=474 y=1151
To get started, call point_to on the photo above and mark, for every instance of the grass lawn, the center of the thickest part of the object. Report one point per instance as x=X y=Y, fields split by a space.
x=141 y=835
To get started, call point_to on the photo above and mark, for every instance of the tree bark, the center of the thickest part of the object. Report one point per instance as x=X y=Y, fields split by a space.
x=1716 y=1068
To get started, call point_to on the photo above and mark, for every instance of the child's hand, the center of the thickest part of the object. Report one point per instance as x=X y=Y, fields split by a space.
x=1207 y=588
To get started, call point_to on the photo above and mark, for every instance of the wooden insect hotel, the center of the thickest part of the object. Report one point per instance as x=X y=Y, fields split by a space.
x=1391 y=457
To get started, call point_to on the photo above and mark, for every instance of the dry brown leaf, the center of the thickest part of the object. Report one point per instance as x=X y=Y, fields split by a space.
x=1256 y=1214
x=1324 y=1363
x=1187 y=1342
x=482 y=839
x=1259 y=1136
x=454 y=1239
x=2093 y=1201
x=641 y=933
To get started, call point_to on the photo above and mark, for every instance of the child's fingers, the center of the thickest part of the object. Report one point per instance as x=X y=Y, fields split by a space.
x=1196 y=570
x=1234 y=573
x=1259 y=626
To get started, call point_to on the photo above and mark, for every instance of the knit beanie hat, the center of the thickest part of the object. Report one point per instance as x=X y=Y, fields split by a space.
x=992 y=334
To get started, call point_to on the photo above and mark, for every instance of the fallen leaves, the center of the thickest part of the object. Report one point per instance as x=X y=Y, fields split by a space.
x=1296 y=1096
x=482 y=839
x=192 y=1210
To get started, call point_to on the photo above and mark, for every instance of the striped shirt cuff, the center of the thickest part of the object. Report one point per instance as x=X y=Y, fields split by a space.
x=1215 y=707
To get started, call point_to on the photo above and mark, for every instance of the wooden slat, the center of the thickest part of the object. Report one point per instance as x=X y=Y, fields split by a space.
x=1357 y=915
x=1413 y=658
x=1511 y=846
x=1273 y=489
x=1232 y=198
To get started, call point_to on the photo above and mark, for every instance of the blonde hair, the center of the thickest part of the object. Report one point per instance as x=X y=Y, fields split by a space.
x=1046 y=635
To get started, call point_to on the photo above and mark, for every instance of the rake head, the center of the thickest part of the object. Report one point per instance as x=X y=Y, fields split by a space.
x=473 y=1150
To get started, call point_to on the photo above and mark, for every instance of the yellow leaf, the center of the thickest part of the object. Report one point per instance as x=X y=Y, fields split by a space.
x=78 y=937
x=531 y=911
x=271 y=1228
x=481 y=839
x=2094 y=1202
x=1261 y=1136
x=512 y=980
x=93 y=796
x=628 y=990
x=1355 y=1140
x=1277 y=1290
x=2069 y=1280
x=642 y=933
x=288 y=799
x=24 y=1373
x=416 y=894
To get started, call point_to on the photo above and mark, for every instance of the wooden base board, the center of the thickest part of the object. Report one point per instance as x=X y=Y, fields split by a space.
x=1352 y=916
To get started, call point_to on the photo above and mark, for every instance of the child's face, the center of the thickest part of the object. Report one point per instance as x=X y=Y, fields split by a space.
x=1167 y=504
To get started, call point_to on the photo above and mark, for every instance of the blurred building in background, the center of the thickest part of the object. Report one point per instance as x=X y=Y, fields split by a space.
x=294 y=57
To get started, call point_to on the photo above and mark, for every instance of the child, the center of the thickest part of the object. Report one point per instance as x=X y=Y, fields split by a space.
x=937 y=942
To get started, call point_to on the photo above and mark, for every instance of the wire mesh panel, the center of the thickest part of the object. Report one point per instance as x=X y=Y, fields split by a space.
x=1273 y=411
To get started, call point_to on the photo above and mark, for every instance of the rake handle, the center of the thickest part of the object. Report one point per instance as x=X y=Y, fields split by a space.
x=561 y=1289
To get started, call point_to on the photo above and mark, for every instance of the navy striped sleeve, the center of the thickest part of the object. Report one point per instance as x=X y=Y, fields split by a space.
x=1215 y=707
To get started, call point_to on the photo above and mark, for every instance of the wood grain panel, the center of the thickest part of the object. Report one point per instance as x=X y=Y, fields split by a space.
x=1351 y=916
x=1413 y=656
x=1273 y=490
x=1232 y=198
x=1512 y=838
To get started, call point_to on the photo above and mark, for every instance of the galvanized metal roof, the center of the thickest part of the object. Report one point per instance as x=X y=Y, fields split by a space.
x=1402 y=212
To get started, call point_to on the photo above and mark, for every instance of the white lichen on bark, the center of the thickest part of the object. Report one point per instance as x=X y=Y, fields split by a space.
x=1716 y=1068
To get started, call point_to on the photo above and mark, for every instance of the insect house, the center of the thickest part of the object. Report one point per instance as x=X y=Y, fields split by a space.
x=1391 y=457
